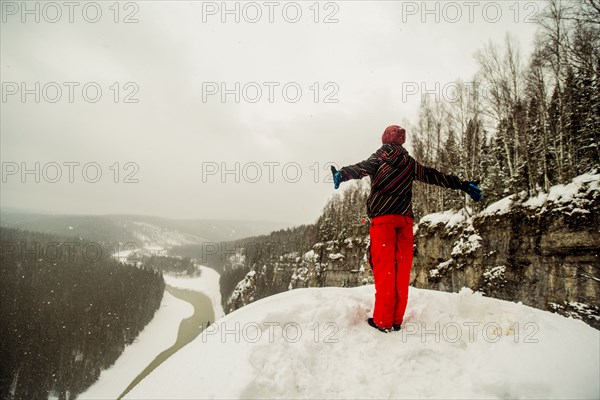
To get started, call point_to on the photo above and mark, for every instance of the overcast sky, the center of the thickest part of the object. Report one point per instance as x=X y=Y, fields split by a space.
x=180 y=134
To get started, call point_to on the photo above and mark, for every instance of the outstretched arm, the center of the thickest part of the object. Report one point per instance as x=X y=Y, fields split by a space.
x=435 y=177
x=356 y=171
x=361 y=169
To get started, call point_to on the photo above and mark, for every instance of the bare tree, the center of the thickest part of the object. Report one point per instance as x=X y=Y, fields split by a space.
x=537 y=88
x=585 y=11
x=503 y=75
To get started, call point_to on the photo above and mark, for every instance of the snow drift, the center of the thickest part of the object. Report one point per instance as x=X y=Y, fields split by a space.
x=314 y=343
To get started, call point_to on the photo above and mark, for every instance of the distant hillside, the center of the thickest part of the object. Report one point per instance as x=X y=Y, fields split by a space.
x=145 y=231
x=304 y=256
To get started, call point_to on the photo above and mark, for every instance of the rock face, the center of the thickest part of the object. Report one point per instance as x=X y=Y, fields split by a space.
x=544 y=252
x=334 y=263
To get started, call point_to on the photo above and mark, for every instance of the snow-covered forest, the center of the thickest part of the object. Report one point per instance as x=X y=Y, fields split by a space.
x=68 y=310
x=521 y=124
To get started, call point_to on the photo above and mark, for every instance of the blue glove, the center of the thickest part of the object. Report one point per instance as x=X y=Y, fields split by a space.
x=337 y=178
x=472 y=190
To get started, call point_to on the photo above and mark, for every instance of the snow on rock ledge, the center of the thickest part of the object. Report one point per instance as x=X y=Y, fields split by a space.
x=449 y=218
x=314 y=343
x=542 y=251
x=574 y=197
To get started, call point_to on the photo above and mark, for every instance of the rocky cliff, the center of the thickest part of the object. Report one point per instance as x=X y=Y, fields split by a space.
x=544 y=252
x=333 y=263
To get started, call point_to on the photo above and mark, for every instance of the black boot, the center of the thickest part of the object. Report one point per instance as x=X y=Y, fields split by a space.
x=396 y=327
x=372 y=323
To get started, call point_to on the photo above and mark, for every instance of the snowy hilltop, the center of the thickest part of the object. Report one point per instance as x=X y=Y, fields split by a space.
x=314 y=343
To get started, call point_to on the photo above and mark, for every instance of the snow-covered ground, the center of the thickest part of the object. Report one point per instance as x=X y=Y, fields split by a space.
x=121 y=256
x=207 y=283
x=157 y=336
x=314 y=343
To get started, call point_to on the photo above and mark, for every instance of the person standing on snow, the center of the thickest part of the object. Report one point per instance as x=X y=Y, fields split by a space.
x=389 y=206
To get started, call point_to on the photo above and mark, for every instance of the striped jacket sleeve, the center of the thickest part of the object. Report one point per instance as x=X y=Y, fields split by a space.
x=435 y=177
x=362 y=169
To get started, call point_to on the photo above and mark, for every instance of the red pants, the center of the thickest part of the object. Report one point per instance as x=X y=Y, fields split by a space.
x=391 y=254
